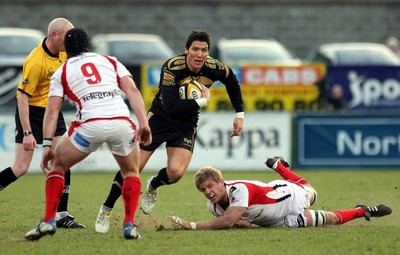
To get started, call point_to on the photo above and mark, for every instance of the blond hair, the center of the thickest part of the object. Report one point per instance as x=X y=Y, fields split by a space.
x=207 y=173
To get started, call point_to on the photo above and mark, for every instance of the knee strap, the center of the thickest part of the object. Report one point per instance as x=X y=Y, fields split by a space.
x=318 y=218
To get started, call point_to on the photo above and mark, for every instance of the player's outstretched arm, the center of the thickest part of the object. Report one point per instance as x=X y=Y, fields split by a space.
x=230 y=219
x=242 y=224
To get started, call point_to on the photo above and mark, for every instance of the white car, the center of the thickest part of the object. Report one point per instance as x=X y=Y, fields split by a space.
x=133 y=49
x=15 y=46
x=253 y=51
x=342 y=54
x=17 y=43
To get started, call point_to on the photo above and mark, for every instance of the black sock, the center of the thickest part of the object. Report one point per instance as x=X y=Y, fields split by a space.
x=115 y=191
x=7 y=177
x=161 y=179
x=63 y=205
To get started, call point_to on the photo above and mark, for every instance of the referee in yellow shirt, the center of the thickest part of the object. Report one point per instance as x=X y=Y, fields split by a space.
x=32 y=96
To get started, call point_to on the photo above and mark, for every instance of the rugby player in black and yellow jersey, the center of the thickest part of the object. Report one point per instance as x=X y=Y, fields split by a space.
x=32 y=97
x=174 y=120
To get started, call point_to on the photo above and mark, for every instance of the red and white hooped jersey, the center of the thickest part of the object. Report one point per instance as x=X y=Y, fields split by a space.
x=274 y=204
x=91 y=82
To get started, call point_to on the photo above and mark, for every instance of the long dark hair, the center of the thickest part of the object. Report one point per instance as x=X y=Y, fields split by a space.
x=76 y=42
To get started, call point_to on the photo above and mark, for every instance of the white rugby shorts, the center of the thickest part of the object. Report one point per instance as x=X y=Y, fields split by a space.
x=286 y=213
x=119 y=134
x=300 y=200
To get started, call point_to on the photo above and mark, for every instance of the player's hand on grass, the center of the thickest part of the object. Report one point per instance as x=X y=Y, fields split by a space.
x=183 y=223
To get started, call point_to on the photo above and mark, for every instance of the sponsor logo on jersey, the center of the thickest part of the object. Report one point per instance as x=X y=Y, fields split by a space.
x=231 y=190
x=101 y=95
x=50 y=73
x=167 y=76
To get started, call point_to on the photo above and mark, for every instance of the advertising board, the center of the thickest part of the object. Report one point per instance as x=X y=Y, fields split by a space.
x=368 y=87
x=263 y=87
x=265 y=135
x=348 y=141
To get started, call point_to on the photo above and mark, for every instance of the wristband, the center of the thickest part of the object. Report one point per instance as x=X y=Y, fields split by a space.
x=194 y=225
x=202 y=102
x=239 y=115
x=47 y=142
x=27 y=132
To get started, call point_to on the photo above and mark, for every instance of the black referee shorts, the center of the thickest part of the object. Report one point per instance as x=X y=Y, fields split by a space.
x=36 y=115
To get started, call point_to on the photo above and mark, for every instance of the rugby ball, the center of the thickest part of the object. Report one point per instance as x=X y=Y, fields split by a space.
x=190 y=90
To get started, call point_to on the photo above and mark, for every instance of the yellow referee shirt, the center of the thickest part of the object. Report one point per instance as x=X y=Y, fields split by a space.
x=38 y=68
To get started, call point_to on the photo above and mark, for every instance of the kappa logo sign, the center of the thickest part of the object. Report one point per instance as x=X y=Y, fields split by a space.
x=252 y=139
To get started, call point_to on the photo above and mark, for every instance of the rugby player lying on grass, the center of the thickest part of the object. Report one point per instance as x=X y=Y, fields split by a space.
x=279 y=203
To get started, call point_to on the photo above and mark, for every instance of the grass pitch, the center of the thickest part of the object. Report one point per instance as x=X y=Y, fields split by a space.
x=22 y=206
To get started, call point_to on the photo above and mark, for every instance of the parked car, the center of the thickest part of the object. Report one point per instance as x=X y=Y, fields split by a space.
x=133 y=49
x=253 y=51
x=17 y=43
x=15 y=46
x=340 y=54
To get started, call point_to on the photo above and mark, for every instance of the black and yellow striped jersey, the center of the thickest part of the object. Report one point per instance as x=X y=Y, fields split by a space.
x=175 y=72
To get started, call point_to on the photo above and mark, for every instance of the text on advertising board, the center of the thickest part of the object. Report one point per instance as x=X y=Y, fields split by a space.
x=263 y=87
